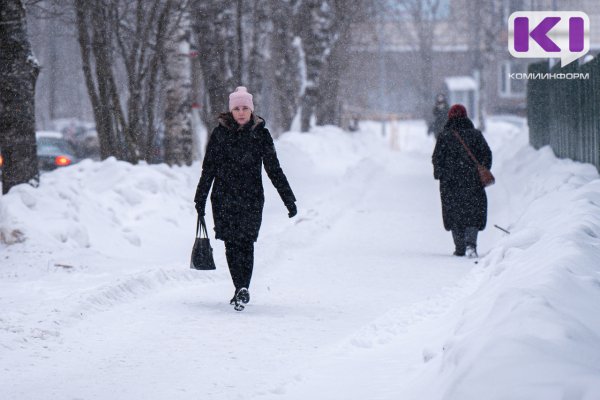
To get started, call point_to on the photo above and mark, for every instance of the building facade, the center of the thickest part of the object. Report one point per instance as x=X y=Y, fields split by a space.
x=397 y=62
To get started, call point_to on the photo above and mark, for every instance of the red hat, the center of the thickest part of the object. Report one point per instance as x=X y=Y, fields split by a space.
x=457 y=111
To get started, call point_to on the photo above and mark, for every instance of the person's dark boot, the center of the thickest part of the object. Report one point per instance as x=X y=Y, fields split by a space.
x=243 y=296
x=471 y=252
x=458 y=236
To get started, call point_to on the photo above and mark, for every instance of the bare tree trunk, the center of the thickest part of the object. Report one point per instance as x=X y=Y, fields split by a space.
x=489 y=28
x=155 y=65
x=240 y=44
x=327 y=110
x=110 y=107
x=426 y=72
x=150 y=148
x=424 y=18
x=178 y=124
x=286 y=59
x=86 y=62
x=314 y=32
x=91 y=45
x=474 y=16
x=319 y=33
x=197 y=99
x=18 y=73
x=329 y=104
x=213 y=24
x=52 y=68
x=258 y=51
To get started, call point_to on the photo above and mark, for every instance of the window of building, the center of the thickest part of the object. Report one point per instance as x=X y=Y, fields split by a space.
x=508 y=87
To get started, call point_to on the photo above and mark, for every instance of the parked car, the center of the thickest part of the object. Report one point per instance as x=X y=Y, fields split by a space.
x=53 y=151
x=81 y=135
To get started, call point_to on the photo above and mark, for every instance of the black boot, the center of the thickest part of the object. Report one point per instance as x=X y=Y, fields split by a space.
x=471 y=242
x=471 y=252
x=459 y=242
x=240 y=298
x=243 y=296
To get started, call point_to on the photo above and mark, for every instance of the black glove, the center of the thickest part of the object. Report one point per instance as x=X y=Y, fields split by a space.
x=200 y=209
x=292 y=209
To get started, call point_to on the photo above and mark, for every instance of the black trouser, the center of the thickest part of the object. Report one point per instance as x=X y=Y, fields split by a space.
x=464 y=237
x=240 y=258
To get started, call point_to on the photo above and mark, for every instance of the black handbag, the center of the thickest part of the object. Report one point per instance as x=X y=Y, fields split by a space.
x=202 y=253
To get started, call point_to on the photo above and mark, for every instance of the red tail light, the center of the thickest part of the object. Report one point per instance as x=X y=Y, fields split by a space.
x=62 y=161
x=1 y=161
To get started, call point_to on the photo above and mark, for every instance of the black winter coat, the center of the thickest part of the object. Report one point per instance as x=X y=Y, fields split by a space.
x=234 y=159
x=464 y=202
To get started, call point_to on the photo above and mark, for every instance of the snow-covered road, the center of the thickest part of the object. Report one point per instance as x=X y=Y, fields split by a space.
x=350 y=300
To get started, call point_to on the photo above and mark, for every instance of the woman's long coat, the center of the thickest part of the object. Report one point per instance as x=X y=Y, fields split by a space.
x=234 y=159
x=464 y=202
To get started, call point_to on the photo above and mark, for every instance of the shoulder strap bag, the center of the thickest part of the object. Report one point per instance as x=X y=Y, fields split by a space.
x=485 y=175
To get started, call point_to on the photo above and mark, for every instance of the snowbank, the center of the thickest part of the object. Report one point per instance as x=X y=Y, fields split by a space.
x=101 y=205
x=531 y=330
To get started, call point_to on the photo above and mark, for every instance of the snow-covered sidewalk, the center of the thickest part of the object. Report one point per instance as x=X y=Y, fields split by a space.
x=357 y=297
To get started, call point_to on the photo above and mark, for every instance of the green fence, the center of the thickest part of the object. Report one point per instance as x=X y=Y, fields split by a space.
x=565 y=113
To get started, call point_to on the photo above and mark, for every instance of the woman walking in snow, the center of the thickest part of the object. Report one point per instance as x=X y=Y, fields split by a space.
x=464 y=202
x=236 y=151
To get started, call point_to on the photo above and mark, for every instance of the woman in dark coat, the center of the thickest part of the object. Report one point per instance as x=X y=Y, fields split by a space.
x=236 y=151
x=464 y=202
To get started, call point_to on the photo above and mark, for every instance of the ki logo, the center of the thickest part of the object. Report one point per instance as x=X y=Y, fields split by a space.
x=549 y=34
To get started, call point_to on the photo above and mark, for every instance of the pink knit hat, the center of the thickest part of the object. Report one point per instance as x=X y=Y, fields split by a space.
x=240 y=97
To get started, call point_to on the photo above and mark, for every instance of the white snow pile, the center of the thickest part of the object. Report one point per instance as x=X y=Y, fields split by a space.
x=531 y=330
x=104 y=205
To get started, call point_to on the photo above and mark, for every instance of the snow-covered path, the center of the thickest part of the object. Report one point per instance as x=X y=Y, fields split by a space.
x=372 y=242
x=357 y=297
